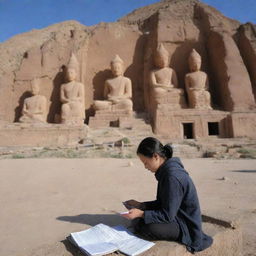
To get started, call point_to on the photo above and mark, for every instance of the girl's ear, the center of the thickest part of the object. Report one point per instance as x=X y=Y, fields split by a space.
x=155 y=155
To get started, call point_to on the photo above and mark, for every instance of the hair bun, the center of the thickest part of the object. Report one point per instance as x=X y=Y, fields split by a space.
x=168 y=150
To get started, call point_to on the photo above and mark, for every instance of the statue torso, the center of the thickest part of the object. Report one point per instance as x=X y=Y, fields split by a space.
x=35 y=103
x=117 y=85
x=197 y=80
x=71 y=89
x=164 y=76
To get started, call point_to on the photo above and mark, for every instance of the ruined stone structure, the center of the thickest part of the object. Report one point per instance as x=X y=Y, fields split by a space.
x=209 y=93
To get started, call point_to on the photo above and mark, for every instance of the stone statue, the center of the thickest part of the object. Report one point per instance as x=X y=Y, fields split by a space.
x=117 y=90
x=72 y=96
x=163 y=79
x=197 y=84
x=35 y=107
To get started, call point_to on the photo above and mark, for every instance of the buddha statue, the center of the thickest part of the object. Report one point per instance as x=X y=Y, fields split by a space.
x=72 y=96
x=117 y=90
x=35 y=107
x=197 y=84
x=163 y=79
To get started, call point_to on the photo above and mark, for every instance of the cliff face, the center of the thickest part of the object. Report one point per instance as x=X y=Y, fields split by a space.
x=228 y=51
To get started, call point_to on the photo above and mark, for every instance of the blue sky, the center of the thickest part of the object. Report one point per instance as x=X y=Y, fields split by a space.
x=18 y=16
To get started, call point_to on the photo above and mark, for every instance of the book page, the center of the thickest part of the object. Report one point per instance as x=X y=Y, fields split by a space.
x=134 y=246
x=130 y=244
x=98 y=249
x=97 y=234
x=102 y=239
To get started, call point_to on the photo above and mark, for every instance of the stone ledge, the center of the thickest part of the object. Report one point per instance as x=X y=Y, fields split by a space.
x=41 y=135
x=227 y=241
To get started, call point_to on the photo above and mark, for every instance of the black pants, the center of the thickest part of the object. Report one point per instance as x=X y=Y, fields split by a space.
x=157 y=231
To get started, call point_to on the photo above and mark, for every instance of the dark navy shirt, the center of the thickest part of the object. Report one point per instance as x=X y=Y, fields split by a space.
x=177 y=200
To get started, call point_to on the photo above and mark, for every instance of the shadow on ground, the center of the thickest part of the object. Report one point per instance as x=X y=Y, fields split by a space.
x=94 y=219
x=71 y=248
x=245 y=171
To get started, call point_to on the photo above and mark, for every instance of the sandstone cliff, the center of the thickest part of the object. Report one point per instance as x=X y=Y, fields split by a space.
x=228 y=50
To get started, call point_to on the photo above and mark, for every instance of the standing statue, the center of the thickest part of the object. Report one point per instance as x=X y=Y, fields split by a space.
x=35 y=107
x=163 y=79
x=72 y=96
x=117 y=90
x=197 y=84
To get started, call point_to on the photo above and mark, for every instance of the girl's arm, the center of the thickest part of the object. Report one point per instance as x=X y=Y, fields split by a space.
x=170 y=203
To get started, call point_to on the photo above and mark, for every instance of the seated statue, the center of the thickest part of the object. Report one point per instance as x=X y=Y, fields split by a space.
x=35 y=107
x=117 y=90
x=197 y=84
x=72 y=96
x=163 y=79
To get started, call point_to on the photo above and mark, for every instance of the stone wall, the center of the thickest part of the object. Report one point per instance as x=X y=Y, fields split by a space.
x=227 y=49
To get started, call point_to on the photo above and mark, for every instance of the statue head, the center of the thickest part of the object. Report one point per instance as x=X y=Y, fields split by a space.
x=194 y=61
x=71 y=74
x=72 y=68
x=117 y=66
x=161 y=57
x=35 y=87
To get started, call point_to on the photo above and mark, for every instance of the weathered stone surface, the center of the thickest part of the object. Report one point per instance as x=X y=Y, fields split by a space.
x=191 y=123
x=37 y=54
x=243 y=124
x=247 y=46
x=232 y=78
x=41 y=135
x=227 y=242
x=227 y=48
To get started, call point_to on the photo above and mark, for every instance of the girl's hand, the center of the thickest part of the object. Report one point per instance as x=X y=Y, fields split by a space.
x=130 y=204
x=133 y=213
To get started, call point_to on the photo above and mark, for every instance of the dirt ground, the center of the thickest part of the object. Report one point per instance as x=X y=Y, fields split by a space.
x=44 y=200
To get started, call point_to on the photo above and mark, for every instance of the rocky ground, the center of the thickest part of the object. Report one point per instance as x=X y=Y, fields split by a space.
x=43 y=200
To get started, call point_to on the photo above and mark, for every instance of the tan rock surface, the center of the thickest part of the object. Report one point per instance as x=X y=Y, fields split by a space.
x=179 y=25
x=43 y=200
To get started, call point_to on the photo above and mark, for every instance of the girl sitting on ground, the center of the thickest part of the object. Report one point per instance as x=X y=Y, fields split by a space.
x=175 y=214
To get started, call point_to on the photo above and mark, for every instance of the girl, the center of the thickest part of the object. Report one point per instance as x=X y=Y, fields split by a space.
x=175 y=214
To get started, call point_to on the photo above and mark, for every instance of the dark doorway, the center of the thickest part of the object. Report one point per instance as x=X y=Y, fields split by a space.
x=188 y=131
x=213 y=128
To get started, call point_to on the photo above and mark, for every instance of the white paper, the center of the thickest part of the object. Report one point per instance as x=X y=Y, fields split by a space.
x=131 y=245
x=123 y=213
x=99 y=248
x=102 y=239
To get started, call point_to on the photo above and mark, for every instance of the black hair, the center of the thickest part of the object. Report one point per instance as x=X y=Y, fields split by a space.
x=150 y=146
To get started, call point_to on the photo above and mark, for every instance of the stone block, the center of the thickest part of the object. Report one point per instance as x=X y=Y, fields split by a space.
x=106 y=118
x=175 y=122
x=243 y=124
x=227 y=241
x=45 y=135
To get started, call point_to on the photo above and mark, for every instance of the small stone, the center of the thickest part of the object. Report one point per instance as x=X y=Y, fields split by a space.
x=224 y=178
x=130 y=163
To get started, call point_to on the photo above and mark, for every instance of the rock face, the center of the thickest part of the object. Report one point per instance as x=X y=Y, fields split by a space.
x=227 y=48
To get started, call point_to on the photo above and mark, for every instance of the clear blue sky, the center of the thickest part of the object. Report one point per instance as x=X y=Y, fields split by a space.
x=18 y=16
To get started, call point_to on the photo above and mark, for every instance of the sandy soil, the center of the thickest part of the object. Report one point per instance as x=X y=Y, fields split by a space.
x=43 y=200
